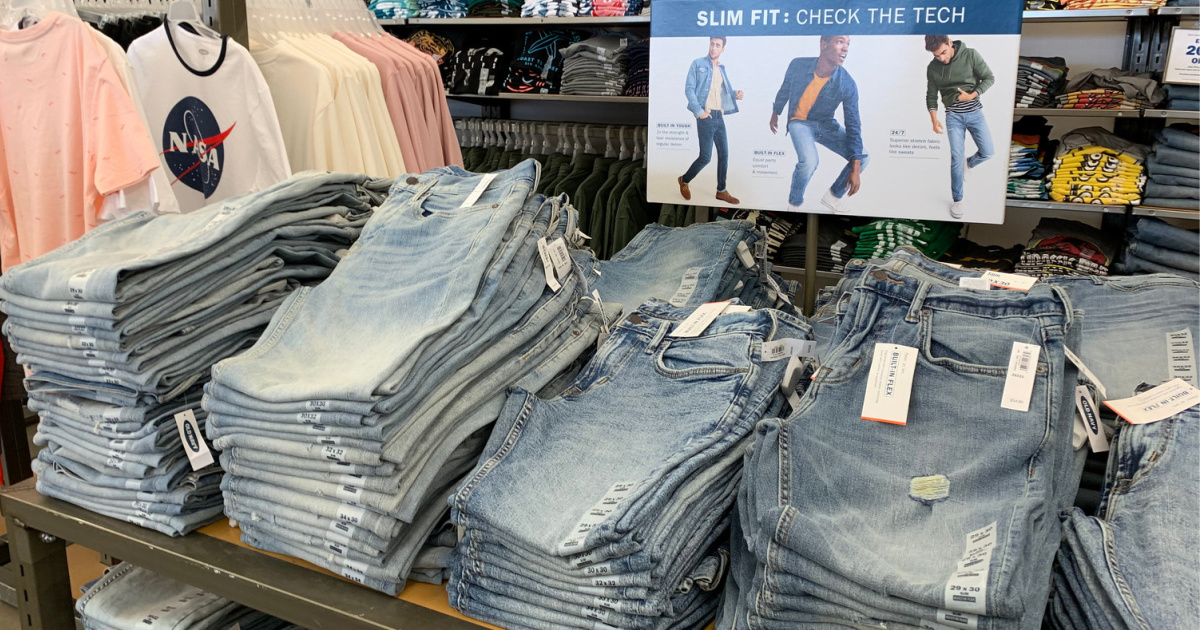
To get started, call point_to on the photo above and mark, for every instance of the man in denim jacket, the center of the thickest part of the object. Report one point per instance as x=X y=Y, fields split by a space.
x=812 y=90
x=710 y=96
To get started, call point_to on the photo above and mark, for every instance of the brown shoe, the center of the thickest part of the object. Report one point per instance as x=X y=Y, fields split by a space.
x=684 y=190
x=728 y=198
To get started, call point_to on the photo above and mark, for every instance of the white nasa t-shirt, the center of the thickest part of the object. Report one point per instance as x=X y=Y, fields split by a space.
x=210 y=113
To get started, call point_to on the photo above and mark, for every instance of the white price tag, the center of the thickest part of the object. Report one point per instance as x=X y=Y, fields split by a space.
x=687 y=286
x=479 y=190
x=1156 y=404
x=975 y=284
x=596 y=515
x=698 y=321
x=561 y=258
x=1022 y=373
x=193 y=442
x=1010 y=280
x=1073 y=358
x=889 y=385
x=1091 y=419
x=1181 y=357
x=548 y=265
x=966 y=590
x=786 y=348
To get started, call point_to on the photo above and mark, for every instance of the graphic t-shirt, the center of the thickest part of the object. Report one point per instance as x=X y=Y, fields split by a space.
x=210 y=114
x=69 y=134
x=809 y=97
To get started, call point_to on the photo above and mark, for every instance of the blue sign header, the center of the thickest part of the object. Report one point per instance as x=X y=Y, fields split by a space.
x=745 y=18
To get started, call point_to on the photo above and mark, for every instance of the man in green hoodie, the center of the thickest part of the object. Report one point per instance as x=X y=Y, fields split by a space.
x=958 y=76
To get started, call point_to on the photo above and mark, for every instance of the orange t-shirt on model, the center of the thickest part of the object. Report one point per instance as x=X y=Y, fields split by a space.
x=809 y=97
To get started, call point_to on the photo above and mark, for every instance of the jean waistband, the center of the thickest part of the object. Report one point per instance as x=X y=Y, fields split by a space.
x=451 y=180
x=1042 y=301
x=651 y=316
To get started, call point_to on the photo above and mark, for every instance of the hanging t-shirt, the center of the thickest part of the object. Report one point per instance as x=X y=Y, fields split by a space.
x=69 y=138
x=216 y=126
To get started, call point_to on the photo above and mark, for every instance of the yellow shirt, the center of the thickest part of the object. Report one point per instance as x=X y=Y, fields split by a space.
x=809 y=97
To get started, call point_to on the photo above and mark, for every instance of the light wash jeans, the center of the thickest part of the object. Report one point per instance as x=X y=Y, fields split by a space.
x=805 y=137
x=957 y=127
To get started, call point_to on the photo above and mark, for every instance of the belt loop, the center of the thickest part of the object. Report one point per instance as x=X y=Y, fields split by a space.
x=1069 y=315
x=663 y=329
x=914 y=310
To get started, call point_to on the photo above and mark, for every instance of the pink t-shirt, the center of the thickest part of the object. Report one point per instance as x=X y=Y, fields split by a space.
x=69 y=134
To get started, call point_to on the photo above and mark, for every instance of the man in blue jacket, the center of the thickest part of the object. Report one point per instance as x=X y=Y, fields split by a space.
x=710 y=97
x=812 y=90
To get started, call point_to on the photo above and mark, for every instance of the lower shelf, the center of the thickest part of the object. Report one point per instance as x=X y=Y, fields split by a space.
x=1172 y=213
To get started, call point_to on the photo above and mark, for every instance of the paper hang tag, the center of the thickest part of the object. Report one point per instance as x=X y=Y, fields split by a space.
x=1091 y=419
x=561 y=258
x=1156 y=404
x=1083 y=369
x=479 y=190
x=975 y=284
x=548 y=265
x=1022 y=370
x=1010 y=280
x=687 y=286
x=1181 y=357
x=193 y=442
x=699 y=320
x=784 y=348
x=744 y=254
x=889 y=385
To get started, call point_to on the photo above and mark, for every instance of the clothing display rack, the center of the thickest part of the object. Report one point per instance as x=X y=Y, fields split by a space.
x=216 y=560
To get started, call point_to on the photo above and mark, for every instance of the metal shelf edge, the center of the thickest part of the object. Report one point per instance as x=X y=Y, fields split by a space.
x=1171 y=213
x=1031 y=204
x=1084 y=15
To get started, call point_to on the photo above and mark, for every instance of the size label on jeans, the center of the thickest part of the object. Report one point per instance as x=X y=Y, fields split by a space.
x=548 y=265
x=317 y=405
x=334 y=453
x=309 y=417
x=594 y=516
x=1022 y=372
x=77 y=283
x=975 y=284
x=699 y=320
x=1083 y=369
x=473 y=198
x=687 y=286
x=1156 y=404
x=889 y=385
x=77 y=321
x=339 y=529
x=349 y=493
x=70 y=307
x=353 y=514
x=353 y=480
x=1181 y=357
x=341 y=467
x=1091 y=419
x=784 y=348
x=193 y=442
x=1010 y=280
x=955 y=619
x=966 y=590
x=336 y=548
x=592 y=612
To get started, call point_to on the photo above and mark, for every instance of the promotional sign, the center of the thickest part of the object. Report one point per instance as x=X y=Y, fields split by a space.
x=855 y=107
x=1183 y=57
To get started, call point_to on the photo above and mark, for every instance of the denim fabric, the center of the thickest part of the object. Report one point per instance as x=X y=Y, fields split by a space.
x=805 y=136
x=840 y=91
x=698 y=84
x=1134 y=264
x=710 y=132
x=1171 y=156
x=1170 y=191
x=957 y=126
x=1180 y=139
x=1159 y=233
x=1185 y=261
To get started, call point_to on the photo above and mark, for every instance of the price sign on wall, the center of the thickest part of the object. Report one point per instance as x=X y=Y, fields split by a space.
x=1183 y=57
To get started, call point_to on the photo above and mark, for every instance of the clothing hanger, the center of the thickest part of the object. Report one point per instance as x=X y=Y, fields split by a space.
x=576 y=146
x=645 y=144
x=587 y=138
x=638 y=148
x=184 y=12
x=625 y=154
x=18 y=10
x=609 y=150
x=545 y=139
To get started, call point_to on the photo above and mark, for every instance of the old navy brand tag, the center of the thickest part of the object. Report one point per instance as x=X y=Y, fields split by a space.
x=1083 y=369
x=1010 y=280
x=784 y=348
x=479 y=190
x=561 y=258
x=1090 y=417
x=1156 y=404
x=1181 y=357
x=193 y=442
x=1022 y=373
x=548 y=265
x=889 y=384
x=699 y=320
x=975 y=284
x=691 y=279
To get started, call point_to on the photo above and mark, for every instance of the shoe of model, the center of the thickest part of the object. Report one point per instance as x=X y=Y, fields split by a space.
x=956 y=210
x=792 y=208
x=728 y=198
x=833 y=202
x=684 y=189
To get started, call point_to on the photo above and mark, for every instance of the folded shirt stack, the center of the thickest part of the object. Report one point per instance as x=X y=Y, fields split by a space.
x=445 y=9
x=637 y=82
x=1059 y=247
x=836 y=242
x=1026 y=173
x=1111 y=88
x=610 y=8
x=1072 y=5
x=1039 y=80
x=966 y=253
x=395 y=9
x=1174 y=169
x=1186 y=97
x=127 y=596
x=478 y=69
x=879 y=239
x=1155 y=246
x=596 y=66
x=119 y=329
x=538 y=67
x=1097 y=99
x=549 y=8
x=1094 y=166
x=493 y=8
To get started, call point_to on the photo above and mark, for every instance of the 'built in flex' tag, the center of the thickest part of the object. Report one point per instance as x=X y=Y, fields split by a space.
x=889 y=385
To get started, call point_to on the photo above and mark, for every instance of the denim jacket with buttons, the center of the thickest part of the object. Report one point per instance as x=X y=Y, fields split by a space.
x=699 y=82
x=840 y=90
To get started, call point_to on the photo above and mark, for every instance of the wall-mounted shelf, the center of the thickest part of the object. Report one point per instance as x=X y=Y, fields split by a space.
x=1166 y=213
x=1085 y=15
x=633 y=20
x=1181 y=114
x=1079 y=113
x=1033 y=204
x=577 y=98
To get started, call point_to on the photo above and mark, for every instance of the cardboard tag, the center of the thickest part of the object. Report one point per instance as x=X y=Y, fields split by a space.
x=548 y=265
x=1091 y=419
x=1181 y=358
x=784 y=348
x=687 y=286
x=479 y=190
x=975 y=284
x=1010 y=280
x=560 y=257
x=193 y=441
x=699 y=320
x=889 y=386
x=1086 y=372
x=1156 y=404
x=1022 y=370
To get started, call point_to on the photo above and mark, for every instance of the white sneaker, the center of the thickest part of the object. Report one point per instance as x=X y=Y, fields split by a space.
x=956 y=210
x=837 y=204
x=792 y=208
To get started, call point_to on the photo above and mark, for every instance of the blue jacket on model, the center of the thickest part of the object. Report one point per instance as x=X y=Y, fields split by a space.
x=841 y=90
x=699 y=82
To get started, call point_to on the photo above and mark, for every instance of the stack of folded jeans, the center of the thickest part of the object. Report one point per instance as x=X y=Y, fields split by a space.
x=596 y=66
x=1185 y=97
x=447 y=9
x=608 y=506
x=1174 y=168
x=848 y=521
x=120 y=327
x=1039 y=80
x=127 y=596
x=1155 y=246
x=1094 y=166
x=637 y=83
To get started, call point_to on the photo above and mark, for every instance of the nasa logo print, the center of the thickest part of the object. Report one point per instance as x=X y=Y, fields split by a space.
x=192 y=143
